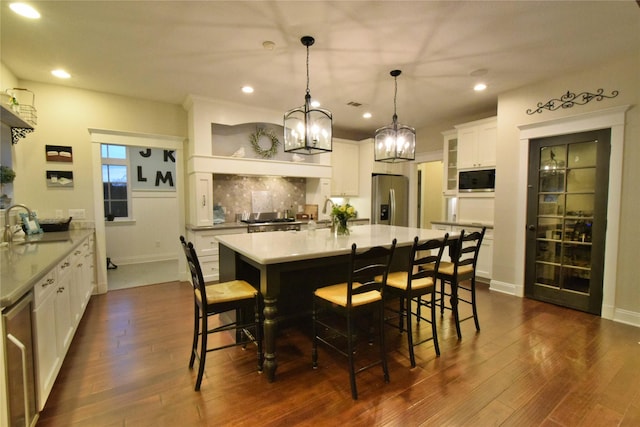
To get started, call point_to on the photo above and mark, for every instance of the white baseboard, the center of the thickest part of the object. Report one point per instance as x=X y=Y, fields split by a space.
x=145 y=258
x=628 y=317
x=506 y=288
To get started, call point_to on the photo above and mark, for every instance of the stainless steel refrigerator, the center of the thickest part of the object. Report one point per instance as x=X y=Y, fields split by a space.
x=390 y=200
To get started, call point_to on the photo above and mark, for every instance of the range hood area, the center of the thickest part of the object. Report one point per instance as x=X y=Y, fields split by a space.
x=258 y=167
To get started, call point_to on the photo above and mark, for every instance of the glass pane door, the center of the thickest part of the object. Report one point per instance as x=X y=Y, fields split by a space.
x=566 y=206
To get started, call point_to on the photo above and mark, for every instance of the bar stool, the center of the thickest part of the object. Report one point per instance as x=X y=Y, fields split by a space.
x=411 y=286
x=461 y=269
x=362 y=294
x=216 y=299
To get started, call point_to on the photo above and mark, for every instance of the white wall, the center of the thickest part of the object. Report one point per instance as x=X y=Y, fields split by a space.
x=65 y=116
x=622 y=75
x=432 y=199
x=152 y=237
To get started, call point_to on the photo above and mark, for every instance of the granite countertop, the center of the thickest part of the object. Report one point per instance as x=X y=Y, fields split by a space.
x=233 y=225
x=464 y=223
x=24 y=263
x=286 y=246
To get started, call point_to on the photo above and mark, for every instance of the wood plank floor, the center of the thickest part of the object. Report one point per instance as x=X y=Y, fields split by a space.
x=533 y=364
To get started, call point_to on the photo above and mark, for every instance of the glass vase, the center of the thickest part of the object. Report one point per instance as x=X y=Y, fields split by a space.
x=342 y=228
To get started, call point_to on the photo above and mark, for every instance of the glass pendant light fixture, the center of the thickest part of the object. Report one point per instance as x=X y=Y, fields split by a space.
x=395 y=142
x=307 y=130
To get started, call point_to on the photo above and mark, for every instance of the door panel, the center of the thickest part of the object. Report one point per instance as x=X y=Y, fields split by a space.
x=566 y=213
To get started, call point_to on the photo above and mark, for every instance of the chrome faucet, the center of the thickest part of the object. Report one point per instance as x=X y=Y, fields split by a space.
x=8 y=233
x=326 y=202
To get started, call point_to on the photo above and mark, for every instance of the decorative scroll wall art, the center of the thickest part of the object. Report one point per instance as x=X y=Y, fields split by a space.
x=570 y=99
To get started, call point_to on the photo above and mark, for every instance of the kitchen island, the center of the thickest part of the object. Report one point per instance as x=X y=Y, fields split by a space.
x=282 y=264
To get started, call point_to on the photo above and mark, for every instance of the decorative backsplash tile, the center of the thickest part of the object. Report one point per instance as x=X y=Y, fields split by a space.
x=234 y=193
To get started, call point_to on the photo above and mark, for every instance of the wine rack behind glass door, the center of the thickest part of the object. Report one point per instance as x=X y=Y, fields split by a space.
x=567 y=196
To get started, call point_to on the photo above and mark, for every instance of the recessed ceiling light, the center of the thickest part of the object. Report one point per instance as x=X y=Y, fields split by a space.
x=479 y=72
x=247 y=89
x=315 y=104
x=367 y=115
x=268 y=45
x=480 y=87
x=61 y=74
x=25 y=10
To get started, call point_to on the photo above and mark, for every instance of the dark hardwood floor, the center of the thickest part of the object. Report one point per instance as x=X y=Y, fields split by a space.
x=533 y=364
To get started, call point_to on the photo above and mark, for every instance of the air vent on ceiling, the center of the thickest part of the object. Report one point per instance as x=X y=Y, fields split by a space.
x=354 y=104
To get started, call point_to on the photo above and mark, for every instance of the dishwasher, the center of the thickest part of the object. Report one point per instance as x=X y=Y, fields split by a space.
x=18 y=350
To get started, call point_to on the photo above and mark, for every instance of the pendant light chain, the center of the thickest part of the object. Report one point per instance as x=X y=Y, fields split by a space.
x=308 y=70
x=395 y=96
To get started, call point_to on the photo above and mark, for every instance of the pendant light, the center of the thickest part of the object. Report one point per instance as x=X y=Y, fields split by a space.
x=307 y=130
x=395 y=142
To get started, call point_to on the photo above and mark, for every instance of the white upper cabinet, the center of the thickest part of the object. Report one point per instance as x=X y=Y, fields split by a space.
x=450 y=163
x=345 y=159
x=477 y=144
x=201 y=210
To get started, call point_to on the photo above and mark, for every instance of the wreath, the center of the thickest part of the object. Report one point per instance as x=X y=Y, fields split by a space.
x=254 y=138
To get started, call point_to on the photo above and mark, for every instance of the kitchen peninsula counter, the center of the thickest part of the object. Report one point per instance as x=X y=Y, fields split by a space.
x=287 y=266
x=287 y=246
x=23 y=264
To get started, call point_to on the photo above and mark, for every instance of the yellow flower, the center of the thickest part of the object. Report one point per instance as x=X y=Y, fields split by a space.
x=343 y=212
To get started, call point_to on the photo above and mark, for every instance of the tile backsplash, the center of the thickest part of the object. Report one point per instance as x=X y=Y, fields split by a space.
x=234 y=193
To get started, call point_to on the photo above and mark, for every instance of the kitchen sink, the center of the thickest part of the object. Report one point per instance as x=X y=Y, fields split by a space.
x=58 y=236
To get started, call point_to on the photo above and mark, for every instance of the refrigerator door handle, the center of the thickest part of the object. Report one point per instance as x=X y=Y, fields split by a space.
x=392 y=206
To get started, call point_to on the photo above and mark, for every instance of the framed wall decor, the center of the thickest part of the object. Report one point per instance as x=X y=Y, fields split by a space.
x=59 y=153
x=30 y=223
x=60 y=179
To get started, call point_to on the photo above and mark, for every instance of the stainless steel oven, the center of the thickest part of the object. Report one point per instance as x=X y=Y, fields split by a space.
x=269 y=221
x=261 y=227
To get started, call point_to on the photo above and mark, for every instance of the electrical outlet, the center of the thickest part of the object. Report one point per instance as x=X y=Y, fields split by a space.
x=77 y=213
x=157 y=243
x=58 y=213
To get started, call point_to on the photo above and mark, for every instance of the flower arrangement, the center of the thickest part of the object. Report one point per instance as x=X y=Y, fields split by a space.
x=340 y=214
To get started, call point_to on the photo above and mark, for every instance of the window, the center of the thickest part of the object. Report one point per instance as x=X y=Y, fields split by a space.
x=115 y=180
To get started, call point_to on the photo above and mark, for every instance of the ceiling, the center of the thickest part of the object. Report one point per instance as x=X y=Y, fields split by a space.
x=166 y=50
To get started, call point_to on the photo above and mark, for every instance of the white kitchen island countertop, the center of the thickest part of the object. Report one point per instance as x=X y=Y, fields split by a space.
x=285 y=246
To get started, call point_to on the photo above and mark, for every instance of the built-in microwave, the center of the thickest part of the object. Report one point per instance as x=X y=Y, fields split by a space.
x=477 y=180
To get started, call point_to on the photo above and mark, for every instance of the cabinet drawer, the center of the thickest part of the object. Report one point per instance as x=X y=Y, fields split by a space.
x=210 y=268
x=64 y=267
x=44 y=287
x=206 y=243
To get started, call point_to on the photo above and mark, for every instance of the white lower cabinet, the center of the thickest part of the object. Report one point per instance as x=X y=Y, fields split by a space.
x=60 y=299
x=46 y=342
x=484 y=267
x=207 y=249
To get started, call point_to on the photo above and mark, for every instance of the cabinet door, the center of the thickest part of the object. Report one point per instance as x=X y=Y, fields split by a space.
x=64 y=324
x=486 y=144
x=345 y=170
x=88 y=269
x=201 y=205
x=467 y=139
x=450 y=163
x=47 y=354
x=485 y=259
